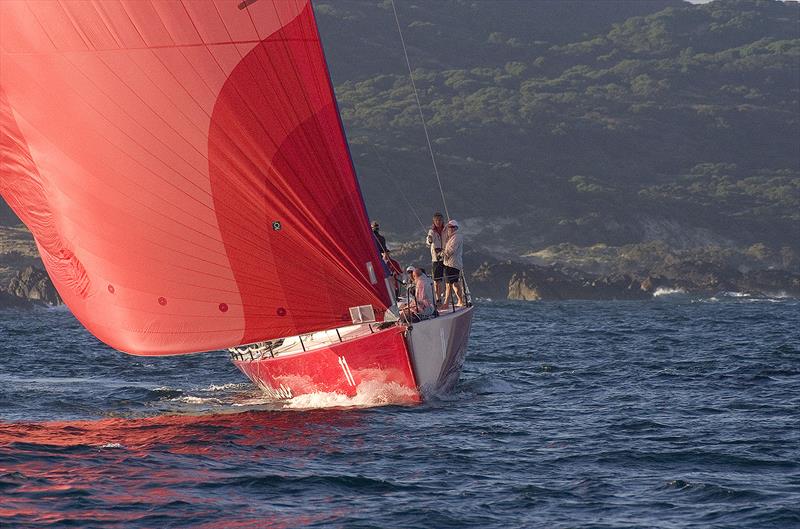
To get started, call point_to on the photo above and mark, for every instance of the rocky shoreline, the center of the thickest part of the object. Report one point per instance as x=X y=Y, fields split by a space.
x=28 y=288
x=519 y=281
x=31 y=286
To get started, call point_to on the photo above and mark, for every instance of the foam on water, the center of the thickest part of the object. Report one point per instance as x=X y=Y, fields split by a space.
x=259 y=399
x=729 y=294
x=368 y=394
x=189 y=399
x=226 y=387
x=661 y=291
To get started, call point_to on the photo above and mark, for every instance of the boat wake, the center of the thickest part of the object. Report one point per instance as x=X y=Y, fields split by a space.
x=245 y=397
x=368 y=394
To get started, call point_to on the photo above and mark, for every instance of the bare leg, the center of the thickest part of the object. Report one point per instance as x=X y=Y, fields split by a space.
x=457 y=291
x=446 y=294
x=437 y=291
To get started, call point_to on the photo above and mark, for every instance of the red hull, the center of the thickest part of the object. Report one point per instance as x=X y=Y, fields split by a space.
x=381 y=357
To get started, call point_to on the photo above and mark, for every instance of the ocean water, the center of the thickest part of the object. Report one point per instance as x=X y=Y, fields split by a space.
x=675 y=412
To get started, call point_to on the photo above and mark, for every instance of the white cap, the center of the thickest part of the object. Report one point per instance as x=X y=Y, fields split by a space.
x=453 y=223
x=410 y=269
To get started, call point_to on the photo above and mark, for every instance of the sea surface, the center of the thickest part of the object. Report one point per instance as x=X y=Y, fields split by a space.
x=674 y=412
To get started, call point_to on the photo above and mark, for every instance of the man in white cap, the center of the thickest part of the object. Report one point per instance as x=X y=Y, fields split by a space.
x=409 y=280
x=410 y=289
x=453 y=264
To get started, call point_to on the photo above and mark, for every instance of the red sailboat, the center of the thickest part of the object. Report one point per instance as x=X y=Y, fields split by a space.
x=184 y=170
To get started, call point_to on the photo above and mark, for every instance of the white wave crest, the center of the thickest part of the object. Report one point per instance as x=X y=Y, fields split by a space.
x=224 y=387
x=260 y=400
x=661 y=291
x=112 y=445
x=197 y=400
x=368 y=394
x=736 y=294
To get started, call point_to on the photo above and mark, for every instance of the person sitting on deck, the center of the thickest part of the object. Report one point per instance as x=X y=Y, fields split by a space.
x=395 y=271
x=409 y=281
x=436 y=239
x=380 y=240
x=453 y=264
x=421 y=306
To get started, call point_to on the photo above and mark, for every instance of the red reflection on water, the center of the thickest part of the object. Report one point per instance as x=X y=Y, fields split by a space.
x=248 y=428
x=133 y=468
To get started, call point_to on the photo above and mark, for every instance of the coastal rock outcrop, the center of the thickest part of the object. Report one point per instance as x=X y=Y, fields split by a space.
x=7 y=301
x=521 y=281
x=490 y=280
x=541 y=283
x=770 y=282
x=30 y=286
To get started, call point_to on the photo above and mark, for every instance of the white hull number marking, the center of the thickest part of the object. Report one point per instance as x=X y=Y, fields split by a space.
x=346 y=370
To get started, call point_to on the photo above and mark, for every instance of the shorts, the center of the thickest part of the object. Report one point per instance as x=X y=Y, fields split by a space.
x=451 y=274
x=437 y=269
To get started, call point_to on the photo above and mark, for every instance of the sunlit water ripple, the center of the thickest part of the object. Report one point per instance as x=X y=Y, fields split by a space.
x=668 y=413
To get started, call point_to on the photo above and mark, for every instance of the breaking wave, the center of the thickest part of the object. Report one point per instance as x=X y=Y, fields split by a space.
x=226 y=387
x=749 y=297
x=243 y=396
x=735 y=294
x=368 y=394
x=198 y=400
x=661 y=291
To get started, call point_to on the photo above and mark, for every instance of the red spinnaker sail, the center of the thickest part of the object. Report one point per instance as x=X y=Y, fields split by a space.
x=183 y=169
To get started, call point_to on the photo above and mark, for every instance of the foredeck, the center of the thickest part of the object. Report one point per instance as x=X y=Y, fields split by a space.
x=303 y=343
x=312 y=341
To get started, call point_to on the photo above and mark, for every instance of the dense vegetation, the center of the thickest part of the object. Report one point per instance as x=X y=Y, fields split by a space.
x=612 y=122
x=580 y=122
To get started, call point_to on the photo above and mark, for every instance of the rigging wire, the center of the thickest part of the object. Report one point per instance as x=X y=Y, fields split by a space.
x=390 y=174
x=419 y=107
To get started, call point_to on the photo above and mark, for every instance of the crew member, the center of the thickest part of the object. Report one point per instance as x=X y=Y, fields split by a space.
x=453 y=263
x=437 y=238
x=409 y=282
x=421 y=306
x=395 y=271
x=380 y=241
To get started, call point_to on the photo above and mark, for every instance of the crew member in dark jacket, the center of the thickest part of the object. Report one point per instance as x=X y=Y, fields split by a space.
x=395 y=272
x=380 y=241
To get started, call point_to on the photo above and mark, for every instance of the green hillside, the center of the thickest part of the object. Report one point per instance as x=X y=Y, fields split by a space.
x=580 y=122
x=609 y=122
